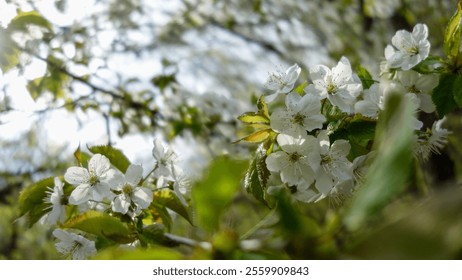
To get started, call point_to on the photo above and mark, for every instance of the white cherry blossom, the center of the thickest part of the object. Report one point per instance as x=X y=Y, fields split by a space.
x=57 y=199
x=339 y=85
x=165 y=160
x=92 y=184
x=432 y=140
x=74 y=245
x=334 y=167
x=131 y=197
x=282 y=82
x=422 y=86
x=296 y=161
x=301 y=114
x=408 y=49
x=372 y=102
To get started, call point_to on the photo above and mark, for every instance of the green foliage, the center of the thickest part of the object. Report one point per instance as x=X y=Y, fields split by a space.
x=31 y=200
x=445 y=94
x=163 y=81
x=428 y=229
x=102 y=225
x=256 y=177
x=212 y=195
x=259 y=121
x=24 y=19
x=9 y=55
x=301 y=88
x=390 y=171
x=365 y=77
x=115 y=156
x=169 y=199
x=359 y=131
x=452 y=36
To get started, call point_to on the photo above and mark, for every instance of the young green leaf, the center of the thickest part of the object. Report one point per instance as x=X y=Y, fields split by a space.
x=253 y=118
x=168 y=198
x=115 y=156
x=301 y=88
x=23 y=19
x=31 y=200
x=391 y=169
x=443 y=95
x=256 y=177
x=453 y=35
x=365 y=77
x=257 y=136
x=102 y=225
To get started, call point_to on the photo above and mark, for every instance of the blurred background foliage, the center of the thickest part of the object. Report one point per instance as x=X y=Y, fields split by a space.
x=184 y=70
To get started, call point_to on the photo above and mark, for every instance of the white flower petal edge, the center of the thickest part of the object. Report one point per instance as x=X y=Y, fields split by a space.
x=74 y=245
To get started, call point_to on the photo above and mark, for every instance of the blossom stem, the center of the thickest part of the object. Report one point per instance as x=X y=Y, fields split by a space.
x=149 y=174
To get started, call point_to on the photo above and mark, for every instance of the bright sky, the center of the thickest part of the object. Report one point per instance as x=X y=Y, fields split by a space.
x=62 y=127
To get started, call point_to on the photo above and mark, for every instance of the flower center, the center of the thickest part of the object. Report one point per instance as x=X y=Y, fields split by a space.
x=294 y=157
x=413 y=50
x=298 y=119
x=127 y=189
x=413 y=89
x=326 y=159
x=331 y=88
x=292 y=189
x=94 y=180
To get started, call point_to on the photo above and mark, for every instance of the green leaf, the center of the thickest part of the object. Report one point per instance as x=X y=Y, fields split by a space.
x=162 y=81
x=9 y=55
x=457 y=90
x=31 y=200
x=117 y=158
x=212 y=195
x=443 y=94
x=365 y=77
x=159 y=211
x=430 y=65
x=253 y=118
x=257 y=136
x=169 y=199
x=453 y=35
x=256 y=177
x=81 y=157
x=23 y=19
x=102 y=225
x=390 y=171
x=153 y=234
x=427 y=229
x=263 y=107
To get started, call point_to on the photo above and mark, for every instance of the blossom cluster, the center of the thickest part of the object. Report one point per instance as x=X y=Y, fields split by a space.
x=306 y=161
x=101 y=187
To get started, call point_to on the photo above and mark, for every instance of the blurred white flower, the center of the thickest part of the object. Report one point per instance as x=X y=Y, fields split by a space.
x=58 y=201
x=300 y=115
x=432 y=140
x=339 y=85
x=334 y=167
x=165 y=160
x=130 y=194
x=92 y=184
x=74 y=245
x=282 y=82
x=421 y=85
x=372 y=102
x=408 y=49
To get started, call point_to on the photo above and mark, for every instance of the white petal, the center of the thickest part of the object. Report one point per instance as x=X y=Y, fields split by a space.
x=158 y=150
x=142 y=197
x=426 y=103
x=121 y=204
x=273 y=161
x=134 y=174
x=77 y=175
x=99 y=165
x=324 y=182
x=80 y=195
